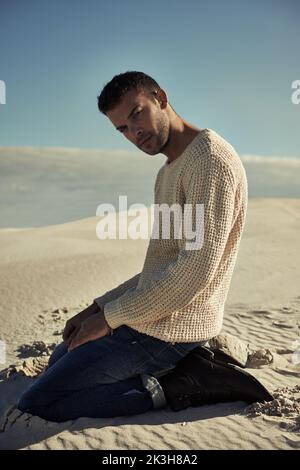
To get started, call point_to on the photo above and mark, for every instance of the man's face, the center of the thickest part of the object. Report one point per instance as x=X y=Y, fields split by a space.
x=138 y=118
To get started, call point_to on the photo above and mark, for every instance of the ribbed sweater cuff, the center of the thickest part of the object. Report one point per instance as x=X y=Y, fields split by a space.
x=113 y=314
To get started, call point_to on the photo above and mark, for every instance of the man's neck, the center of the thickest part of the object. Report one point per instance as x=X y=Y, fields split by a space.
x=179 y=139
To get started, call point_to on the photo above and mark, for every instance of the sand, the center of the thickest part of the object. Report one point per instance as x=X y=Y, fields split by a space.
x=50 y=273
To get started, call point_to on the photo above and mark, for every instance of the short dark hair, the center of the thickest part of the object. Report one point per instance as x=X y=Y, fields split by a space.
x=114 y=90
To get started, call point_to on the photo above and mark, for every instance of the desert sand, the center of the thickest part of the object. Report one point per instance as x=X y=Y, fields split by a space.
x=50 y=273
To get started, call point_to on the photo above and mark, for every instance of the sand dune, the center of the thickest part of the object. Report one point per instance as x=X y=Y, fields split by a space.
x=43 y=186
x=50 y=273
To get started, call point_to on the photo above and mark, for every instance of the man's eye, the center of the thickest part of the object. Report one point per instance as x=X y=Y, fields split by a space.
x=138 y=112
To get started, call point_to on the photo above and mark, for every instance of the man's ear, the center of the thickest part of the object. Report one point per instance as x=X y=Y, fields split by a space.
x=162 y=97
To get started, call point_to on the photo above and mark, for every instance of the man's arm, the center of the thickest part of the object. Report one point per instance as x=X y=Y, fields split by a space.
x=194 y=269
x=130 y=284
x=117 y=291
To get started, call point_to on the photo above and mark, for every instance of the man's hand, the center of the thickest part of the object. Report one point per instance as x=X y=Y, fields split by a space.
x=92 y=328
x=73 y=324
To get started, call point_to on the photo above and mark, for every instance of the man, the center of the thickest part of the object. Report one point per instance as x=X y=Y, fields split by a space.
x=116 y=354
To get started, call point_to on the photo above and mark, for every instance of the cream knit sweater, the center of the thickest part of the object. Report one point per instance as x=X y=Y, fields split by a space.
x=179 y=295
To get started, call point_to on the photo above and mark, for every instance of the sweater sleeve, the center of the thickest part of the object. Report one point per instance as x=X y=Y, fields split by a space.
x=193 y=269
x=113 y=294
x=128 y=285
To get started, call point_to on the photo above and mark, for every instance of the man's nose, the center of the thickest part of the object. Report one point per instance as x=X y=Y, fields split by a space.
x=138 y=135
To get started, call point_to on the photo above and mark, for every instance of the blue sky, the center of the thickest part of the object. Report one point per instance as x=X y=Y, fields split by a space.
x=226 y=65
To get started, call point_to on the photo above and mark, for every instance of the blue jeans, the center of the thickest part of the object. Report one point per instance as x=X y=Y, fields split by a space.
x=108 y=377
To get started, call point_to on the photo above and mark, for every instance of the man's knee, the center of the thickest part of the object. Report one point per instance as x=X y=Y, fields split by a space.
x=28 y=402
x=36 y=397
x=60 y=350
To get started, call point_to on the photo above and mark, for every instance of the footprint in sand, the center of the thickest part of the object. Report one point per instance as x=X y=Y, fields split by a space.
x=37 y=348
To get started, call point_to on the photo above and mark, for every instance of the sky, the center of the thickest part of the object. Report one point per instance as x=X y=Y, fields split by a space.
x=225 y=65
